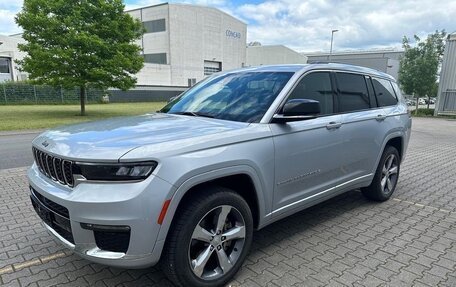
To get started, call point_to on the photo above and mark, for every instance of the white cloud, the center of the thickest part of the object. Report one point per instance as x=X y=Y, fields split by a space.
x=142 y=3
x=306 y=25
x=7 y=24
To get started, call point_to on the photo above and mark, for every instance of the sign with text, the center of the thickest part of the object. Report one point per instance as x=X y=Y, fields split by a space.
x=233 y=34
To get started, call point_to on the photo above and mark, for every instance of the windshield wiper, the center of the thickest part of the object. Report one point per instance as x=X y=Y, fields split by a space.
x=194 y=114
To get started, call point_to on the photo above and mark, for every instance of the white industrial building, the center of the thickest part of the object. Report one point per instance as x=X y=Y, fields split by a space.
x=258 y=55
x=386 y=61
x=9 y=55
x=184 y=43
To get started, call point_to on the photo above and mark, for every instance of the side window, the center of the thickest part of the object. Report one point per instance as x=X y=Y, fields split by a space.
x=384 y=92
x=353 y=95
x=370 y=88
x=397 y=90
x=316 y=86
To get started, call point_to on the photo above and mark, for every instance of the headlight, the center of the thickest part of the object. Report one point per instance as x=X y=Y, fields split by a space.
x=115 y=172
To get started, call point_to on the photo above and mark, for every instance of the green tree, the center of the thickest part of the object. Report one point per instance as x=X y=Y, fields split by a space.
x=80 y=43
x=418 y=70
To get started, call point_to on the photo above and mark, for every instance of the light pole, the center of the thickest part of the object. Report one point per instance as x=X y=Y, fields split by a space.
x=332 y=38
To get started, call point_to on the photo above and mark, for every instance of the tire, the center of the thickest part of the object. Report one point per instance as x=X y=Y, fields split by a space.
x=182 y=248
x=386 y=176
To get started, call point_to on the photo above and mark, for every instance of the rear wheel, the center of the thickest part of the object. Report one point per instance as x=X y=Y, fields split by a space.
x=386 y=176
x=209 y=239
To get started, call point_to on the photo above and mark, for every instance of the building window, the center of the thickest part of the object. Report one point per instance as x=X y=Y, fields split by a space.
x=191 y=82
x=158 y=58
x=155 y=26
x=211 y=67
x=5 y=64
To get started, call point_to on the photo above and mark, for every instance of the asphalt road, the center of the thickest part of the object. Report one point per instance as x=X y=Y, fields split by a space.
x=16 y=149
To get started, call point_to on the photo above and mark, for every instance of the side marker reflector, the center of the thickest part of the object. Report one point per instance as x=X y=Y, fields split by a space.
x=161 y=217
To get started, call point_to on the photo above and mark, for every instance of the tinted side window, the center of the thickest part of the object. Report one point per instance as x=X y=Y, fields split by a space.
x=397 y=90
x=370 y=88
x=316 y=86
x=353 y=95
x=384 y=92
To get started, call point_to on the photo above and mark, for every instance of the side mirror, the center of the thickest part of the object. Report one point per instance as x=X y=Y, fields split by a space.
x=298 y=110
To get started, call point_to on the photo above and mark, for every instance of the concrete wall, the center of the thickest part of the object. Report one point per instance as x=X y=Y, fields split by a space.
x=158 y=42
x=271 y=55
x=199 y=34
x=194 y=34
x=9 y=49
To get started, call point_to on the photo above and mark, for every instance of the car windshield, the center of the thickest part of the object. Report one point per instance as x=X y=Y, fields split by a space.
x=242 y=97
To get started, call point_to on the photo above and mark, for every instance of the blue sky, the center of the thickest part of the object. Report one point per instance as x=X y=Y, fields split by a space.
x=305 y=25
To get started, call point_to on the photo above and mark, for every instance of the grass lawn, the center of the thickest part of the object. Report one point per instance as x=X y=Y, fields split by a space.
x=23 y=117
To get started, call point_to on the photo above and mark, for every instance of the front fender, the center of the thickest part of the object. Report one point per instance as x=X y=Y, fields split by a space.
x=263 y=206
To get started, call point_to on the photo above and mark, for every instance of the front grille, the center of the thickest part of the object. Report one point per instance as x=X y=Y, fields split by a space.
x=113 y=241
x=53 y=214
x=55 y=207
x=55 y=168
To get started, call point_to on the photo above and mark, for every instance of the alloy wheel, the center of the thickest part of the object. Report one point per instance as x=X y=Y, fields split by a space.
x=389 y=174
x=217 y=242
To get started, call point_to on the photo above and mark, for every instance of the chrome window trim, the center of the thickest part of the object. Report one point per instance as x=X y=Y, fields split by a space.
x=268 y=117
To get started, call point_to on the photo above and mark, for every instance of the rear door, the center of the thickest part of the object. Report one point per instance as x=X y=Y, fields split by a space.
x=388 y=102
x=362 y=121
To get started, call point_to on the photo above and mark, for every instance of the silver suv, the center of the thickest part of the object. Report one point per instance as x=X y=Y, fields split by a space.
x=188 y=185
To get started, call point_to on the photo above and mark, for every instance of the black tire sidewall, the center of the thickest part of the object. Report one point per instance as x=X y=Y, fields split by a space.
x=192 y=217
x=375 y=191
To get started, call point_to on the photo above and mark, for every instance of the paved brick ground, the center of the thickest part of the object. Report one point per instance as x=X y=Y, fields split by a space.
x=347 y=241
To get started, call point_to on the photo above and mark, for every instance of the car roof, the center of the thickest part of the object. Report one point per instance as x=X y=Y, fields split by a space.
x=316 y=66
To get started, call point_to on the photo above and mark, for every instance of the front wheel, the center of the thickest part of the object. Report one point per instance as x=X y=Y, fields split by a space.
x=209 y=239
x=386 y=176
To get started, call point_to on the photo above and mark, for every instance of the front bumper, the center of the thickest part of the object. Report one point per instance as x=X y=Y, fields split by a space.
x=133 y=205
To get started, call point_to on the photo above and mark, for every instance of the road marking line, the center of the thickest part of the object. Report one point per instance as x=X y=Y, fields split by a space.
x=6 y=269
x=424 y=206
x=36 y=261
x=19 y=266
x=54 y=256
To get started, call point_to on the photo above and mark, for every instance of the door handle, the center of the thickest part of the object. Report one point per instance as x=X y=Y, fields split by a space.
x=333 y=125
x=380 y=118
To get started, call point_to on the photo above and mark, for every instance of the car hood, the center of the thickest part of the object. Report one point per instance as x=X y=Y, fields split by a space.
x=108 y=140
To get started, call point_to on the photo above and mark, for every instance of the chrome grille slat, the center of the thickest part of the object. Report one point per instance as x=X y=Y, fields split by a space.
x=63 y=172
x=34 y=151
x=67 y=172
x=50 y=164
x=38 y=160
x=57 y=169
x=44 y=163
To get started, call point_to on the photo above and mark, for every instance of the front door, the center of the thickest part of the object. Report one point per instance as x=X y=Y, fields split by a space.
x=308 y=153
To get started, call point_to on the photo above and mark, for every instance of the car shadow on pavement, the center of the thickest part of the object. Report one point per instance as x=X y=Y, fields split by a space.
x=282 y=240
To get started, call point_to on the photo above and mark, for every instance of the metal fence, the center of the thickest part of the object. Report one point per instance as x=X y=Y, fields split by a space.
x=145 y=94
x=21 y=93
